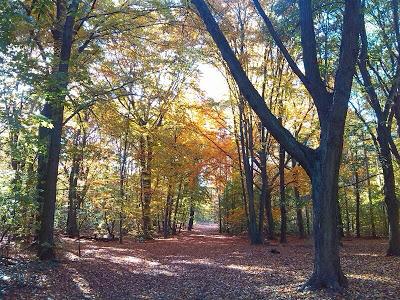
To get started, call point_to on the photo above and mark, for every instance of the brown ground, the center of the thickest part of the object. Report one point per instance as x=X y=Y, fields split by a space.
x=197 y=265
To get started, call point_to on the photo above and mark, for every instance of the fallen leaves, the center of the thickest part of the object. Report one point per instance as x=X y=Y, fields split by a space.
x=197 y=265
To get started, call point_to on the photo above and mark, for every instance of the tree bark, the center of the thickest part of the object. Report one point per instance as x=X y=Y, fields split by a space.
x=391 y=202
x=146 y=191
x=358 y=202
x=54 y=110
x=167 y=212
x=177 y=202
x=191 y=219
x=299 y=210
x=246 y=143
x=73 y=197
x=72 y=222
x=282 y=202
x=264 y=184
x=371 y=206
x=327 y=272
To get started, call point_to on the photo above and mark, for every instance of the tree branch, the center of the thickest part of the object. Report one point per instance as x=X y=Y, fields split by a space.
x=303 y=154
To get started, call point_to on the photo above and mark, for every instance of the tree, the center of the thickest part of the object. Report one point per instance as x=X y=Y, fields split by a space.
x=385 y=91
x=322 y=164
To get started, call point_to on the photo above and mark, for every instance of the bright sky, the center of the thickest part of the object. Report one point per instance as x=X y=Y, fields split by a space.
x=213 y=83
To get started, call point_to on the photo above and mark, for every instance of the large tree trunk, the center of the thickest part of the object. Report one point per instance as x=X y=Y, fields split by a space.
x=396 y=109
x=391 y=202
x=327 y=271
x=54 y=109
x=49 y=193
x=322 y=164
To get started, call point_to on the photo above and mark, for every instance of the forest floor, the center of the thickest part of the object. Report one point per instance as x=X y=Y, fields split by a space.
x=201 y=264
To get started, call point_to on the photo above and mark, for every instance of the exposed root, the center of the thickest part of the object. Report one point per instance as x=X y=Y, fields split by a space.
x=333 y=285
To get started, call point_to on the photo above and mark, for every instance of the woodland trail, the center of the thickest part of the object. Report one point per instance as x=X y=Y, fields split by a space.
x=201 y=264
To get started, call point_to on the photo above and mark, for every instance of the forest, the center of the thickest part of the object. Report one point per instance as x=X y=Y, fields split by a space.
x=199 y=149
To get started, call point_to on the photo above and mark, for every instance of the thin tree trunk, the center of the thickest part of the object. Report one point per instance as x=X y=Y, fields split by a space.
x=191 y=218
x=282 y=203
x=246 y=147
x=340 y=221
x=219 y=214
x=269 y=215
x=264 y=183
x=371 y=207
x=308 y=221
x=358 y=203
x=346 y=203
x=168 y=206
x=299 y=210
x=72 y=222
x=178 y=198
x=145 y=161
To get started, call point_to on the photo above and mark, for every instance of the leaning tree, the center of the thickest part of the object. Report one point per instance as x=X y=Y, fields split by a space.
x=321 y=164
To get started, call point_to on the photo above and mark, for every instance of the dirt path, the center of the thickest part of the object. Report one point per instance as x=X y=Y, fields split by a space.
x=198 y=265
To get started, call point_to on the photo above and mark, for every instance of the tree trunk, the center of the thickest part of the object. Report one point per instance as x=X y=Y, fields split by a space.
x=340 y=221
x=269 y=215
x=371 y=207
x=391 y=202
x=322 y=164
x=282 y=194
x=72 y=218
x=308 y=221
x=327 y=271
x=191 y=219
x=299 y=214
x=246 y=141
x=49 y=193
x=346 y=203
x=72 y=222
x=146 y=192
x=120 y=238
x=54 y=109
x=396 y=109
x=264 y=183
x=178 y=198
x=168 y=207
x=358 y=202
x=299 y=211
x=219 y=214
